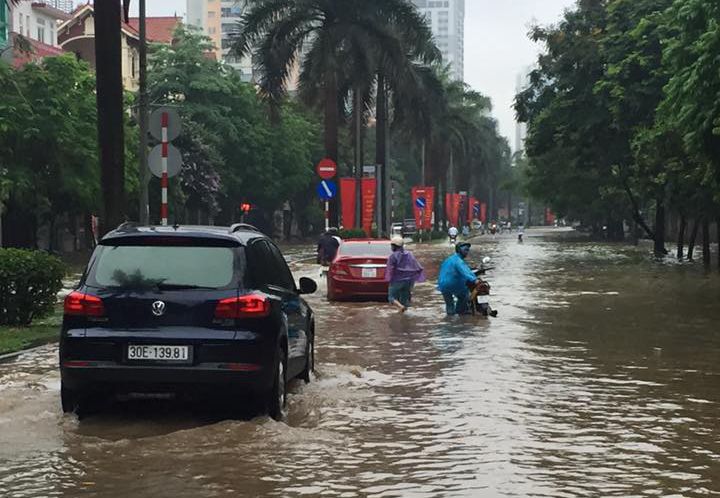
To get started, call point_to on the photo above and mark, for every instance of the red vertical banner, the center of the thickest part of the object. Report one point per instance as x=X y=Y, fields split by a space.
x=483 y=212
x=448 y=207
x=369 y=187
x=347 y=200
x=454 y=212
x=471 y=209
x=430 y=196
x=549 y=217
x=418 y=193
x=423 y=215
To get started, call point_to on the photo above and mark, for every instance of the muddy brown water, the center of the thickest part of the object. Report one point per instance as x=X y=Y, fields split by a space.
x=600 y=377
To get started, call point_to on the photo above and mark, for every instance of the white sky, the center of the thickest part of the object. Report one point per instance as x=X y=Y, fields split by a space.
x=497 y=48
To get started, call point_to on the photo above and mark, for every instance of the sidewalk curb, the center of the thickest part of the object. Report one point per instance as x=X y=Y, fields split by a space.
x=8 y=357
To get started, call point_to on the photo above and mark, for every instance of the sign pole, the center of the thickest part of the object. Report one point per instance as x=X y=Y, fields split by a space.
x=164 y=178
x=327 y=215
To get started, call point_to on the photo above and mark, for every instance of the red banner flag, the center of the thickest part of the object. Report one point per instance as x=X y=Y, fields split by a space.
x=423 y=199
x=483 y=212
x=347 y=200
x=549 y=217
x=454 y=212
x=369 y=186
x=430 y=191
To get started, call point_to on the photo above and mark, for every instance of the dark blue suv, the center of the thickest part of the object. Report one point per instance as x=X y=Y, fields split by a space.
x=173 y=309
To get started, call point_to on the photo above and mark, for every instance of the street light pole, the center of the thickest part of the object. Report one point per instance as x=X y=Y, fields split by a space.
x=144 y=172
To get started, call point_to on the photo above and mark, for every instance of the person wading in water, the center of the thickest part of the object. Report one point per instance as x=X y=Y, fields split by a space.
x=402 y=272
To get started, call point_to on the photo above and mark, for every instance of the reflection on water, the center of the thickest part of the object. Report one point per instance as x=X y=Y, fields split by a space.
x=600 y=377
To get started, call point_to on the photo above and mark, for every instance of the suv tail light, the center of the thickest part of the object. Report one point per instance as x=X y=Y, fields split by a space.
x=79 y=304
x=250 y=306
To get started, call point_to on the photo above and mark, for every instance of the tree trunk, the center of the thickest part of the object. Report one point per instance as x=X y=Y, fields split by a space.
x=693 y=238
x=681 y=237
x=636 y=212
x=717 y=230
x=331 y=134
x=706 y=242
x=659 y=246
x=357 y=118
x=381 y=150
x=110 y=112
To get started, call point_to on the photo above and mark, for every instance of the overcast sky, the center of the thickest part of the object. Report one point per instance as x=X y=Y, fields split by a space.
x=497 y=48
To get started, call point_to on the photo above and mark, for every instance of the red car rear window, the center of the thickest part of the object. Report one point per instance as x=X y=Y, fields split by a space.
x=374 y=250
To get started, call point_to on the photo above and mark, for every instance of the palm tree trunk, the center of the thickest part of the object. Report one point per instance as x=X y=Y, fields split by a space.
x=681 y=237
x=706 y=242
x=110 y=113
x=358 y=155
x=381 y=149
x=659 y=239
x=331 y=134
x=693 y=238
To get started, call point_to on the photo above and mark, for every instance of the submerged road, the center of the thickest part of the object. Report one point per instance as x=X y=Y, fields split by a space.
x=600 y=377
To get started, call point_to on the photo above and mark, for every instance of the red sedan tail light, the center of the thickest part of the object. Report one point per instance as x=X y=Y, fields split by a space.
x=79 y=304
x=250 y=306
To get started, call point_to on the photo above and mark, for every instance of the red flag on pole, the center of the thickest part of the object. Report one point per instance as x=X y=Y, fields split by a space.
x=369 y=187
x=347 y=201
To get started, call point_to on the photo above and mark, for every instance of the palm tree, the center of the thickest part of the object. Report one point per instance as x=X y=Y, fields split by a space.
x=333 y=40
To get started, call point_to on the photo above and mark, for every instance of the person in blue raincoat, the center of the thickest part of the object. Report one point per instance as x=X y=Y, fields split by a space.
x=455 y=276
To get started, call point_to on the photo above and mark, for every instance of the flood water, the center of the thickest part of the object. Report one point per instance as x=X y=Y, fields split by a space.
x=600 y=377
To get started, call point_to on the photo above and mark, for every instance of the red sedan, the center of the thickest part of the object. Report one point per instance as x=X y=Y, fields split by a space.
x=358 y=271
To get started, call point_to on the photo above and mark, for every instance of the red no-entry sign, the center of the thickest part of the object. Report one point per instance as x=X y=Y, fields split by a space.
x=326 y=169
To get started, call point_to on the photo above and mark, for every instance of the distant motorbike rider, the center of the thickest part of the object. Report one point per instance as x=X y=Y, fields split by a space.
x=453 y=234
x=455 y=276
x=327 y=247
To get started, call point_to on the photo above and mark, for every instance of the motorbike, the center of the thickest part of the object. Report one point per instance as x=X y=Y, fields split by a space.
x=480 y=293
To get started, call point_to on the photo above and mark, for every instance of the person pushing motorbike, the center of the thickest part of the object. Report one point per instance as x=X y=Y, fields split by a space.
x=455 y=275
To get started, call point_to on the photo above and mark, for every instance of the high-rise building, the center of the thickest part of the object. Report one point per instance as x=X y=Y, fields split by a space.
x=218 y=19
x=446 y=18
x=64 y=5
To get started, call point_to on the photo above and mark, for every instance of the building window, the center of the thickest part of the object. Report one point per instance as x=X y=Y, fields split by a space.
x=211 y=14
x=27 y=26
x=212 y=31
x=41 y=34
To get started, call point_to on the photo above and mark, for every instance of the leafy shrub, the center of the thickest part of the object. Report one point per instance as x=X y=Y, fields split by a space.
x=29 y=283
x=352 y=233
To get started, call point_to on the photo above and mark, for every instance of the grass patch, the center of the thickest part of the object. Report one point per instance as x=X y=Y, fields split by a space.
x=41 y=331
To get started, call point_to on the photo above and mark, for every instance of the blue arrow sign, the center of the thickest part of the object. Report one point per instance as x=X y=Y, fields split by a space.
x=327 y=190
x=476 y=208
x=420 y=202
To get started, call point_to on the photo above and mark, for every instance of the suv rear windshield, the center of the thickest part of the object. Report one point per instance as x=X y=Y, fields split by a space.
x=152 y=266
x=365 y=249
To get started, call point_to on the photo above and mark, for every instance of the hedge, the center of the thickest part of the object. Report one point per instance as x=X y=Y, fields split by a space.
x=29 y=283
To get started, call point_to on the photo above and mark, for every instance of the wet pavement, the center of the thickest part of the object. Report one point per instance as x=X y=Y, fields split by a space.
x=600 y=377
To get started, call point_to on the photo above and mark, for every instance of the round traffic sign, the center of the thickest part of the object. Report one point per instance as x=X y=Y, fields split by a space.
x=172 y=119
x=174 y=161
x=326 y=169
x=327 y=190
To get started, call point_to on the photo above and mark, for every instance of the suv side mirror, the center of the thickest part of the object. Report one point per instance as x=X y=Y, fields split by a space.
x=307 y=285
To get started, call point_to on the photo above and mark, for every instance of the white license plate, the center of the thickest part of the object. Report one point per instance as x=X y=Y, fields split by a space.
x=483 y=299
x=369 y=273
x=154 y=352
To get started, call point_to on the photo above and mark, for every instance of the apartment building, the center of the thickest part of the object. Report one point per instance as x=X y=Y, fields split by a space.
x=446 y=18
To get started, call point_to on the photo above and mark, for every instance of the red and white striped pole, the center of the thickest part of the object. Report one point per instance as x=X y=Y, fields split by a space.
x=164 y=178
x=327 y=216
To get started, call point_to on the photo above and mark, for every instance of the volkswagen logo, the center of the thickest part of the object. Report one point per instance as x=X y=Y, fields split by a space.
x=158 y=308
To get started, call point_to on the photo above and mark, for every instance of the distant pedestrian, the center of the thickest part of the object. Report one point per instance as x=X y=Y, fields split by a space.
x=402 y=272
x=455 y=276
x=327 y=247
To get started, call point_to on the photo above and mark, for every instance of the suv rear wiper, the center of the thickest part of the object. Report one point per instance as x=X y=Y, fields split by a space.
x=183 y=287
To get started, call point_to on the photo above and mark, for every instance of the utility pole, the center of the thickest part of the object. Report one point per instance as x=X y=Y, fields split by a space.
x=143 y=118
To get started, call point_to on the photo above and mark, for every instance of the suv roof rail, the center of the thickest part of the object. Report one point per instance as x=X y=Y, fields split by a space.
x=242 y=226
x=128 y=224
